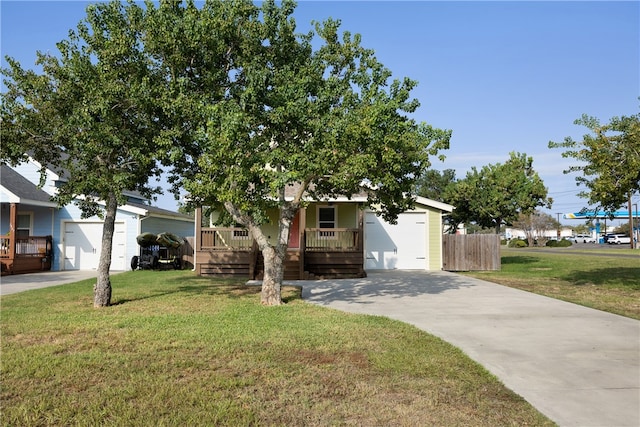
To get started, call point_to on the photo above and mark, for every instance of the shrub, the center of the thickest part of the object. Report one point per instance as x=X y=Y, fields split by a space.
x=517 y=243
x=559 y=243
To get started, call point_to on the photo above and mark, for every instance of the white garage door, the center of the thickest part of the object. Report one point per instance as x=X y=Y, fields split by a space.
x=401 y=246
x=82 y=242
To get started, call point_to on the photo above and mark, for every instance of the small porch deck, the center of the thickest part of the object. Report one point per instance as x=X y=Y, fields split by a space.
x=25 y=254
x=321 y=253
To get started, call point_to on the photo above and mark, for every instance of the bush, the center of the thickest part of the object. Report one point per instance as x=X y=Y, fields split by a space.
x=517 y=243
x=559 y=243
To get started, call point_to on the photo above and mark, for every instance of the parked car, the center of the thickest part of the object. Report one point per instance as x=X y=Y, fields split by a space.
x=618 y=239
x=583 y=238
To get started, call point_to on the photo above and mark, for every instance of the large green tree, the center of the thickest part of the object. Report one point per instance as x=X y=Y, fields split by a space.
x=436 y=185
x=498 y=193
x=90 y=116
x=259 y=108
x=608 y=159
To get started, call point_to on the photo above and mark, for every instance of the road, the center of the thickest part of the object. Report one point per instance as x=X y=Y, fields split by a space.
x=587 y=249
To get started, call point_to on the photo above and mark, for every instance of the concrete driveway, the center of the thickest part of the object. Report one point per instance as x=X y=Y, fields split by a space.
x=23 y=282
x=578 y=366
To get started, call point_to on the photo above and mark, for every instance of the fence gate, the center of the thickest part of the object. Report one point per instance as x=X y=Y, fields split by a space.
x=471 y=252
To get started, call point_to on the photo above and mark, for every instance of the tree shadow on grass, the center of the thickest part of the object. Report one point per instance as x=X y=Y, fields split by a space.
x=234 y=288
x=626 y=277
x=289 y=293
x=121 y=301
x=520 y=259
x=195 y=285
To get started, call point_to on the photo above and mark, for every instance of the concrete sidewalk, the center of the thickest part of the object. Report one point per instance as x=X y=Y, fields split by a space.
x=578 y=366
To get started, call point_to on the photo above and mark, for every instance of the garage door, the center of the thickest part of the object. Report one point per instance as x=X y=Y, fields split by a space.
x=400 y=246
x=82 y=242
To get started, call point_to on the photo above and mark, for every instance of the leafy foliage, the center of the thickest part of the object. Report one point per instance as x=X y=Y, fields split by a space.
x=89 y=114
x=608 y=158
x=497 y=194
x=281 y=113
x=564 y=243
x=436 y=185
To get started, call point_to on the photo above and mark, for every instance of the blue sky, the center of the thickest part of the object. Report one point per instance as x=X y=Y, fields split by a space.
x=504 y=76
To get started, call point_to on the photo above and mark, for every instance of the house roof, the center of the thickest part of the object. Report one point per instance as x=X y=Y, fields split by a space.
x=153 y=211
x=291 y=190
x=62 y=174
x=18 y=189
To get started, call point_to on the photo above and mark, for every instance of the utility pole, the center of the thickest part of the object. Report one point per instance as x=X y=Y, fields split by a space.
x=635 y=218
x=631 y=234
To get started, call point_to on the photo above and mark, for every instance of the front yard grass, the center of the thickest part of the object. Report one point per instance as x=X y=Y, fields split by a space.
x=176 y=349
x=599 y=280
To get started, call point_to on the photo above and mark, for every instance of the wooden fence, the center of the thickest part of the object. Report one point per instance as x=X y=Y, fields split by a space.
x=187 y=252
x=471 y=252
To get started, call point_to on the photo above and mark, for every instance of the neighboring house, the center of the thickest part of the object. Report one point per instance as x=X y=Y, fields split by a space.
x=48 y=237
x=516 y=233
x=334 y=238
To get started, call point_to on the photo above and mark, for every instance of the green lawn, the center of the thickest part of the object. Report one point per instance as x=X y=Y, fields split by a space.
x=597 y=279
x=178 y=350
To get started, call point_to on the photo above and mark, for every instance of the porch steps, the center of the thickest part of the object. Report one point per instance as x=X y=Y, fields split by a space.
x=334 y=265
x=291 y=267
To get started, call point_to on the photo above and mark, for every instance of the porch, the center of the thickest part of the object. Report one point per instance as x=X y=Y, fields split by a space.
x=319 y=253
x=25 y=254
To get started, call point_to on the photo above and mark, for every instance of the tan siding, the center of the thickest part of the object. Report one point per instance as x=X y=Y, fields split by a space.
x=347 y=215
x=434 y=240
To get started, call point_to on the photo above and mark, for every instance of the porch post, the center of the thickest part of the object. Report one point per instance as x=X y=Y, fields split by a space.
x=197 y=239
x=13 y=226
x=302 y=224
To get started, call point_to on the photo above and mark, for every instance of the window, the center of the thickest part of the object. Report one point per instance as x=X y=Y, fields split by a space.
x=327 y=219
x=23 y=226
x=240 y=234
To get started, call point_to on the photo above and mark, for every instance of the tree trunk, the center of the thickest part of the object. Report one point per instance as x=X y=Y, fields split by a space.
x=102 y=288
x=274 y=256
x=273 y=276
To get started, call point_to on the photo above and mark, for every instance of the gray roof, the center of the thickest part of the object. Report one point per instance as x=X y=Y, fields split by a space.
x=23 y=189
x=156 y=211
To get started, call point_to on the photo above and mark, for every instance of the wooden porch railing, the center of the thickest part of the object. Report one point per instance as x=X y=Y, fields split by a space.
x=225 y=239
x=332 y=239
x=315 y=239
x=5 y=244
x=26 y=247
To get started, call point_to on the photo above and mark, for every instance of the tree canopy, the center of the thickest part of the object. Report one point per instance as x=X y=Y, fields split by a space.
x=608 y=158
x=90 y=116
x=436 y=185
x=262 y=108
x=497 y=194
